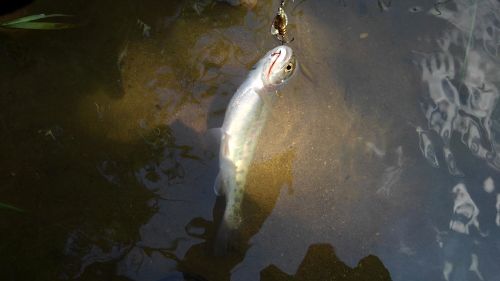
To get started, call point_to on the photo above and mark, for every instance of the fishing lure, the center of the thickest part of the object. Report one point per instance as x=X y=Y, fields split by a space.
x=280 y=22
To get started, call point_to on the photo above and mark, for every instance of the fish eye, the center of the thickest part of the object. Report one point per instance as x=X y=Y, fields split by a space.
x=288 y=67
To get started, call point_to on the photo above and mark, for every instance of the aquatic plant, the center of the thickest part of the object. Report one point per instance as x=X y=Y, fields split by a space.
x=30 y=22
x=10 y=207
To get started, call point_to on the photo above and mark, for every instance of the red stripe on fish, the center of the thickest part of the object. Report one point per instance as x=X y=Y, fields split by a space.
x=272 y=64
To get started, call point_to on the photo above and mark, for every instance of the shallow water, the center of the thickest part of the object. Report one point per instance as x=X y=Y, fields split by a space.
x=104 y=142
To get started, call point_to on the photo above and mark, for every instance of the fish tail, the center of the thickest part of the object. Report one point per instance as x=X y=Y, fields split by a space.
x=227 y=232
x=222 y=239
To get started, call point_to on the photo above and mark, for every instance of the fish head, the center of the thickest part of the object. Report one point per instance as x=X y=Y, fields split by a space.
x=279 y=65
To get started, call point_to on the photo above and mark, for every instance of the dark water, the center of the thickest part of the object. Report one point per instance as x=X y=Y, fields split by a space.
x=103 y=142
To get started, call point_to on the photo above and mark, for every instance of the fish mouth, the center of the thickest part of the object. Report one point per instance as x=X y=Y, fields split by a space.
x=286 y=54
x=280 y=56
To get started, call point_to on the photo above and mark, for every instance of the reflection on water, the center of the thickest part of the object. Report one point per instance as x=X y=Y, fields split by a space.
x=462 y=81
x=465 y=215
x=392 y=174
x=498 y=210
x=104 y=143
x=460 y=107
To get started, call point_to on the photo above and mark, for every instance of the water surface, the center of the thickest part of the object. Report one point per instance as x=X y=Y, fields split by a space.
x=104 y=142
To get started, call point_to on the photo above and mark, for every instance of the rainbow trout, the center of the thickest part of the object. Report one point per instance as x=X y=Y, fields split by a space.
x=245 y=117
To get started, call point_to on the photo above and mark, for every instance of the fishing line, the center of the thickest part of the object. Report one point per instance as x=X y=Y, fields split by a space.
x=469 y=43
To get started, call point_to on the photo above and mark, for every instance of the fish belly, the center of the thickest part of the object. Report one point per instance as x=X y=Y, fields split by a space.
x=240 y=137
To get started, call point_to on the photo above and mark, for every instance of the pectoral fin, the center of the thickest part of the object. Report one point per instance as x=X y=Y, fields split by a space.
x=218 y=188
x=266 y=100
x=268 y=103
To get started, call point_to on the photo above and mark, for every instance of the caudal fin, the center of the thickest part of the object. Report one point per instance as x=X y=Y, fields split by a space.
x=221 y=245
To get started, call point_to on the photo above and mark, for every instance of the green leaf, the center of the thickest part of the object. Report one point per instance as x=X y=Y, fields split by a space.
x=34 y=17
x=10 y=207
x=28 y=22
x=43 y=25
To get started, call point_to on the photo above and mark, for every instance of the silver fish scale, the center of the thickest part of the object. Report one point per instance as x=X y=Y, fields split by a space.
x=243 y=123
x=245 y=118
x=241 y=157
